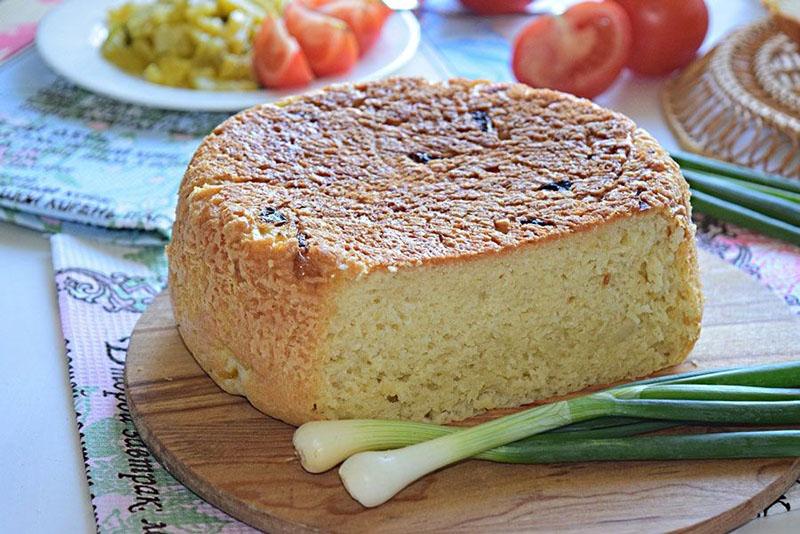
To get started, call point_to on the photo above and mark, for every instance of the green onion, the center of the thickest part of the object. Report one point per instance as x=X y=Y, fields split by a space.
x=635 y=427
x=321 y=445
x=776 y=375
x=772 y=375
x=776 y=207
x=614 y=444
x=557 y=447
x=374 y=477
x=686 y=376
x=728 y=211
x=720 y=412
x=786 y=195
x=767 y=203
x=595 y=424
x=324 y=444
x=751 y=444
x=712 y=166
x=713 y=392
x=598 y=426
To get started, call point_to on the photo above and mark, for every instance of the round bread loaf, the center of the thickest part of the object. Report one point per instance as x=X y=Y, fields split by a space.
x=407 y=249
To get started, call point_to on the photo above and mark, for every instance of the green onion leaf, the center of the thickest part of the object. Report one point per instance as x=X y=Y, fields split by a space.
x=696 y=162
x=751 y=444
x=747 y=218
x=778 y=208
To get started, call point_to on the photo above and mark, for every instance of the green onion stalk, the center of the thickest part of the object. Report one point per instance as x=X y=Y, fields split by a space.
x=696 y=162
x=775 y=192
x=767 y=203
x=771 y=205
x=748 y=218
x=322 y=445
x=374 y=477
x=749 y=444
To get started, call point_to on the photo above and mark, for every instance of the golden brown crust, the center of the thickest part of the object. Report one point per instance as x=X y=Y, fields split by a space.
x=343 y=172
x=282 y=203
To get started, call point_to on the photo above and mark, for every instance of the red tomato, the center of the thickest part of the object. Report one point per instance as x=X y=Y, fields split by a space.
x=277 y=58
x=495 y=7
x=329 y=45
x=364 y=17
x=581 y=52
x=666 y=33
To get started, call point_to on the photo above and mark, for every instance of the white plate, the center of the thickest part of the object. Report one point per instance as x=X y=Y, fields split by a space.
x=70 y=36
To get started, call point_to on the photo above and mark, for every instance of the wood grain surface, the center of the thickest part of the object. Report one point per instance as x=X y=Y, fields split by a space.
x=242 y=461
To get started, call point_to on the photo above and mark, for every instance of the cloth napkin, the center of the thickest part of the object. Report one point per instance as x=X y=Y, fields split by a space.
x=77 y=162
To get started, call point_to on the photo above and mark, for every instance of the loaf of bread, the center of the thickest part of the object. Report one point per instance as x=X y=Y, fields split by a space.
x=428 y=251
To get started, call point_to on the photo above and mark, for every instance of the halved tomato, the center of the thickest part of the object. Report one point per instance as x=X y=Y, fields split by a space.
x=581 y=52
x=364 y=17
x=277 y=58
x=329 y=45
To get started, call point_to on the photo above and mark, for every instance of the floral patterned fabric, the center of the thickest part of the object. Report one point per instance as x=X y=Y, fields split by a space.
x=102 y=291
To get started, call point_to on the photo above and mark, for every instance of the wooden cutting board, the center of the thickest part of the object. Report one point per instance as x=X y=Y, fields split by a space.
x=243 y=462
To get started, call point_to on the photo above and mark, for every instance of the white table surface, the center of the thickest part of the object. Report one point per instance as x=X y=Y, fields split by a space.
x=43 y=483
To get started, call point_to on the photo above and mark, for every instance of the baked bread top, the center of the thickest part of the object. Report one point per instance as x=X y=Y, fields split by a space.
x=404 y=171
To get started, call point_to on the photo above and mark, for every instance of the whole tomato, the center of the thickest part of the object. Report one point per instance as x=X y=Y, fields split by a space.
x=666 y=33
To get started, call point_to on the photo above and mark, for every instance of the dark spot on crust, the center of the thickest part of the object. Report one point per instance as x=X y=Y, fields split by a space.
x=397 y=207
x=484 y=120
x=272 y=216
x=534 y=220
x=643 y=206
x=302 y=241
x=301 y=263
x=556 y=186
x=420 y=157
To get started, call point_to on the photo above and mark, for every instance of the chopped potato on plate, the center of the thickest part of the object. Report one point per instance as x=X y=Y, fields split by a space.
x=200 y=44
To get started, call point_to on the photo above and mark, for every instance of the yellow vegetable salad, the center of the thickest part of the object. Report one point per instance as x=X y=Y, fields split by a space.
x=201 y=44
